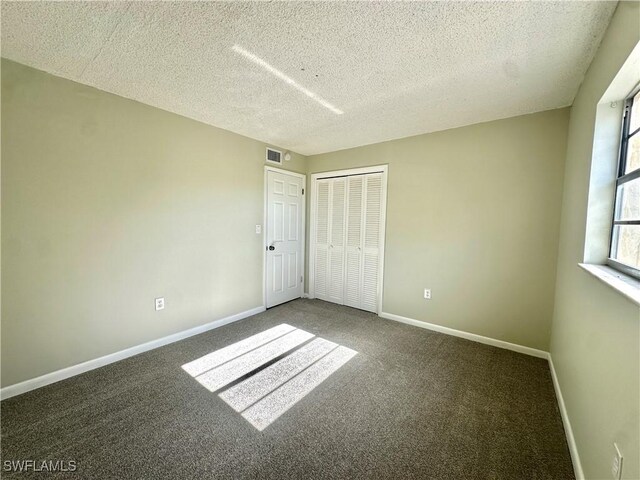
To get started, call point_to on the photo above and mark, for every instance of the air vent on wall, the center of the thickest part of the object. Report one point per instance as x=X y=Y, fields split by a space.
x=274 y=156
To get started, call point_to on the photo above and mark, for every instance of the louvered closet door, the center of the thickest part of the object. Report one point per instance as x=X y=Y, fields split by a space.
x=337 y=204
x=347 y=237
x=371 y=243
x=322 y=240
x=353 y=248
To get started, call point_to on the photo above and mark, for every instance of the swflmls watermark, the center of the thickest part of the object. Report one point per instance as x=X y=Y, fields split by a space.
x=39 y=465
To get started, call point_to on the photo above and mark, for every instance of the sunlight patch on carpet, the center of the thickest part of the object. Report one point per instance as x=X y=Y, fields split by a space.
x=269 y=390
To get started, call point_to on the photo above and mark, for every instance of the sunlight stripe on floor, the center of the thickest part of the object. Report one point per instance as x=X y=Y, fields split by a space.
x=234 y=369
x=267 y=410
x=214 y=359
x=254 y=388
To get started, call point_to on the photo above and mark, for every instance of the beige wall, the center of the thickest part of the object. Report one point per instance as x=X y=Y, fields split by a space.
x=107 y=204
x=473 y=213
x=595 y=341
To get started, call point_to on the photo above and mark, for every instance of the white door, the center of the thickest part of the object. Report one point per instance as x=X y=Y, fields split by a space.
x=348 y=240
x=321 y=239
x=330 y=239
x=338 y=193
x=284 y=237
x=372 y=242
x=362 y=255
x=353 y=253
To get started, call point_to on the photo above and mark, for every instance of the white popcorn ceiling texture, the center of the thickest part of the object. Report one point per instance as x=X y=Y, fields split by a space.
x=394 y=69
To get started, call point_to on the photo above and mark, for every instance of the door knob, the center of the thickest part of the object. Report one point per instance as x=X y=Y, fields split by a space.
x=271 y=247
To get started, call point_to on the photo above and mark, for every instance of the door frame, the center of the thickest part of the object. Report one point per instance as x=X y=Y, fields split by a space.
x=268 y=169
x=384 y=169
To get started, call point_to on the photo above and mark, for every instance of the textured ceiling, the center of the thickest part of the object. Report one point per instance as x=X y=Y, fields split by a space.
x=319 y=76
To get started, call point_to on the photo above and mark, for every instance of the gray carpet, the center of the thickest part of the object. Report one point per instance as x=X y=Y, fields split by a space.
x=411 y=404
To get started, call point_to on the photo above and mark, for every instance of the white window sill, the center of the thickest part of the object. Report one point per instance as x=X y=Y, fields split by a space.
x=624 y=284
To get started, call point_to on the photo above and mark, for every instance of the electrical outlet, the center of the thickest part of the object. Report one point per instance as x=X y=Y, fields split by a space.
x=427 y=294
x=616 y=465
x=258 y=229
x=160 y=303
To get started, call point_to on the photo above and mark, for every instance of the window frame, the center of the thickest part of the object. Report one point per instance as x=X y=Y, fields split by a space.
x=621 y=179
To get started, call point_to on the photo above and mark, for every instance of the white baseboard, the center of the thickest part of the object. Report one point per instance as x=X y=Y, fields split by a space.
x=32 y=384
x=571 y=441
x=469 y=336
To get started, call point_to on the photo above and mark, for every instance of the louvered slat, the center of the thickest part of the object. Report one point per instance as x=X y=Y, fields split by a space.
x=320 y=276
x=322 y=213
x=354 y=211
x=370 y=283
x=372 y=215
x=338 y=194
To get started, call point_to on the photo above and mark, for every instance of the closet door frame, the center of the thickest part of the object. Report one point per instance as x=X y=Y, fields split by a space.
x=383 y=221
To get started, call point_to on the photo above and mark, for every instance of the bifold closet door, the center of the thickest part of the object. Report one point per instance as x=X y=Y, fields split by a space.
x=321 y=258
x=371 y=243
x=364 y=200
x=347 y=240
x=338 y=193
x=330 y=240
x=353 y=248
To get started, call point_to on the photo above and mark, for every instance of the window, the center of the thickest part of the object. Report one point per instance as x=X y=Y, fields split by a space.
x=624 y=253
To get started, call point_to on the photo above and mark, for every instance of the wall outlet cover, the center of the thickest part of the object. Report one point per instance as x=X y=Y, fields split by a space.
x=160 y=303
